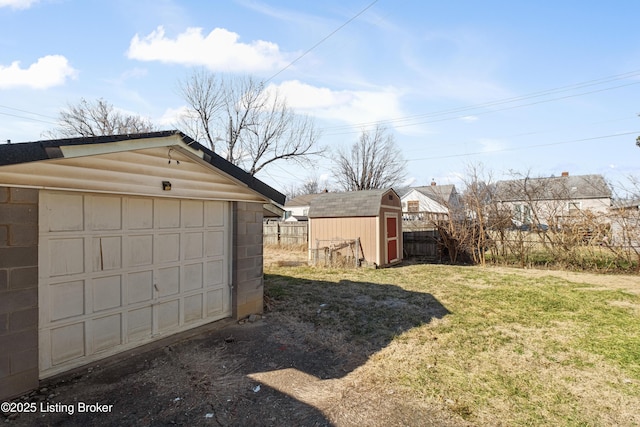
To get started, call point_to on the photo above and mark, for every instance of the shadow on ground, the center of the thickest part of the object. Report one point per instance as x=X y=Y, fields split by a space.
x=284 y=369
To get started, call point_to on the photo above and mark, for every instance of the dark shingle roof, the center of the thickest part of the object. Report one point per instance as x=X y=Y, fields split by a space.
x=554 y=188
x=349 y=204
x=50 y=149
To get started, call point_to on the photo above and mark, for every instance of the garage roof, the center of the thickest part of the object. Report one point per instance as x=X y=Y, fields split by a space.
x=11 y=154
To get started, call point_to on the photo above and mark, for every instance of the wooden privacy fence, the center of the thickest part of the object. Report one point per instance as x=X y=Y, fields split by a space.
x=286 y=233
x=421 y=244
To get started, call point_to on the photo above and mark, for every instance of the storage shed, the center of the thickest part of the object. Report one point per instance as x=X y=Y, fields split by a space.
x=108 y=243
x=372 y=216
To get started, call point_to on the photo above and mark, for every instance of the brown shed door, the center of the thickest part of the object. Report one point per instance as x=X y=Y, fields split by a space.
x=392 y=238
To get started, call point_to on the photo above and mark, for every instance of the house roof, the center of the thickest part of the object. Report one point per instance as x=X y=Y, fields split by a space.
x=304 y=200
x=427 y=204
x=554 y=188
x=11 y=154
x=349 y=204
x=439 y=193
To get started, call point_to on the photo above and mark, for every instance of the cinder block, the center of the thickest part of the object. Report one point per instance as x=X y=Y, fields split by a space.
x=23 y=195
x=5 y=369
x=22 y=278
x=23 y=361
x=4 y=236
x=4 y=194
x=20 y=213
x=16 y=300
x=4 y=323
x=18 y=256
x=20 y=341
x=23 y=319
x=15 y=385
x=4 y=279
x=23 y=234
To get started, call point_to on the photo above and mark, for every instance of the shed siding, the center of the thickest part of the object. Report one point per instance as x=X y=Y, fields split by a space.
x=347 y=228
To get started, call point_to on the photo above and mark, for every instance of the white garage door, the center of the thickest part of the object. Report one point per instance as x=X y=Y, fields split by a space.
x=120 y=271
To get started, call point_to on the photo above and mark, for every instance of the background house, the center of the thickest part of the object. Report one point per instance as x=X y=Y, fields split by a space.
x=297 y=209
x=430 y=204
x=553 y=200
x=112 y=242
x=373 y=216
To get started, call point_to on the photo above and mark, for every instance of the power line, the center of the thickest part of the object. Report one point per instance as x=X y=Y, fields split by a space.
x=526 y=147
x=410 y=120
x=322 y=40
x=28 y=118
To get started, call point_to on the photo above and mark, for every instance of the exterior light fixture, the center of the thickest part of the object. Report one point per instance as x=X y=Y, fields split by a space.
x=166 y=185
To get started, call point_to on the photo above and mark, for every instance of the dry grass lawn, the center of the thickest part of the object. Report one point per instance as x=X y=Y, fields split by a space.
x=470 y=345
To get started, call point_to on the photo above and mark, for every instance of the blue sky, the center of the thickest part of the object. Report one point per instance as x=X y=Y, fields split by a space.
x=534 y=87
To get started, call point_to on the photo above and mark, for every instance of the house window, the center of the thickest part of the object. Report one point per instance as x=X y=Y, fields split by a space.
x=573 y=207
x=413 y=206
x=522 y=214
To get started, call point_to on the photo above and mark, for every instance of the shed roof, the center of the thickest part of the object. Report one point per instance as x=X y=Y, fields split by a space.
x=554 y=188
x=348 y=204
x=11 y=154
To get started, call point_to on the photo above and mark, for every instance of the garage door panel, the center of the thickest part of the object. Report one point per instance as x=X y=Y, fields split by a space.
x=106 y=213
x=107 y=293
x=167 y=248
x=215 y=273
x=107 y=332
x=139 y=323
x=193 y=278
x=192 y=213
x=215 y=302
x=215 y=214
x=193 y=308
x=140 y=213
x=167 y=281
x=193 y=245
x=140 y=250
x=139 y=286
x=66 y=256
x=107 y=253
x=126 y=270
x=66 y=300
x=215 y=243
x=67 y=343
x=168 y=314
x=166 y=213
x=65 y=212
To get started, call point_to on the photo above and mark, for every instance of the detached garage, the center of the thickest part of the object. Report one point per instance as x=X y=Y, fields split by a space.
x=112 y=242
x=373 y=218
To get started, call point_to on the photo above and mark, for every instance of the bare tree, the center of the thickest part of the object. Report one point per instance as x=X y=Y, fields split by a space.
x=373 y=162
x=249 y=125
x=97 y=118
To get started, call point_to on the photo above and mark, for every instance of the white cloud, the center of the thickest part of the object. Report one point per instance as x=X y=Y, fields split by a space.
x=17 y=4
x=220 y=50
x=350 y=106
x=469 y=118
x=172 y=116
x=48 y=71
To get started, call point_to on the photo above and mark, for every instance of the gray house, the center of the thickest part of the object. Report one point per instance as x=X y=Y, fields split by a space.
x=109 y=243
x=553 y=199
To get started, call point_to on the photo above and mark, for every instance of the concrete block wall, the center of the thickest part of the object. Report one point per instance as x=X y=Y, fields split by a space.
x=18 y=291
x=247 y=275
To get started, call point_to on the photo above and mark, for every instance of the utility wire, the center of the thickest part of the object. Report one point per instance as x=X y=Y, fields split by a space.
x=449 y=156
x=322 y=41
